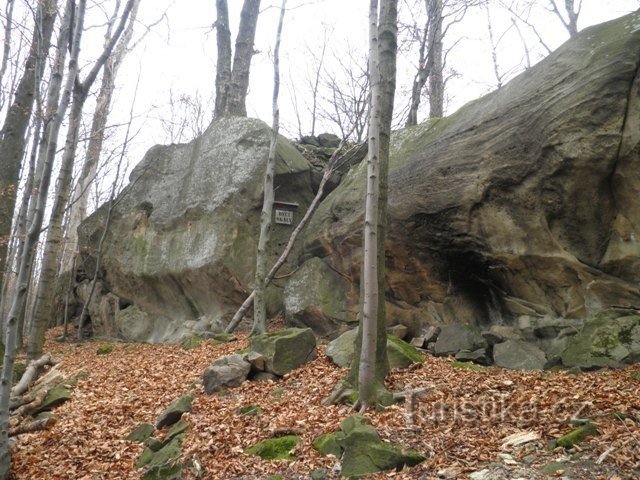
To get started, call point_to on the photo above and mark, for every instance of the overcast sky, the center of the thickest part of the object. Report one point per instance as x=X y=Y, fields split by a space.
x=179 y=55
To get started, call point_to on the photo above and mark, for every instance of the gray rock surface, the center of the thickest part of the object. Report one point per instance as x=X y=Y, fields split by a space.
x=184 y=232
x=226 y=372
x=456 y=337
x=523 y=203
x=519 y=355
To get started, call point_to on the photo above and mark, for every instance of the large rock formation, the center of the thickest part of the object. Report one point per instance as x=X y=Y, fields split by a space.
x=524 y=203
x=180 y=252
x=522 y=208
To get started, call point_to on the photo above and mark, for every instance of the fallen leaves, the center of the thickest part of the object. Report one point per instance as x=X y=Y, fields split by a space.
x=461 y=421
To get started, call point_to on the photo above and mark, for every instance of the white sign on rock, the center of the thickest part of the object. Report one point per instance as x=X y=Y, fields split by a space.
x=284 y=217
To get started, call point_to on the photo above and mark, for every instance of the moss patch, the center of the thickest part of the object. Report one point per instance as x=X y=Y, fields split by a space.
x=401 y=354
x=577 y=435
x=104 y=350
x=174 y=413
x=140 y=433
x=250 y=410
x=275 y=448
x=329 y=444
x=192 y=342
x=56 y=396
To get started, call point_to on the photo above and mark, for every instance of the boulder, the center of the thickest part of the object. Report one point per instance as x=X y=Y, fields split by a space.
x=226 y=372
x=309 y=140
x=401 y=354
x=362 y=451
x=56 y=396
x=519 y=355
x=329 y=140
x=315 y=297
x=175 y=411
x=477 y=356
x=522 y=203
x=400 y=331
x=285 y=350
x=341 y=350
x=609 y=339
x=182 y=242
x=501 y=333
x=141 y=433
x=163 y=464
x=456 y=337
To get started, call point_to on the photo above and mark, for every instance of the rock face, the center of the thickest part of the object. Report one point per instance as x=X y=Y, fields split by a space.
x=225 y=372
x=522 y=210
x=181 y=247
x=524 y=203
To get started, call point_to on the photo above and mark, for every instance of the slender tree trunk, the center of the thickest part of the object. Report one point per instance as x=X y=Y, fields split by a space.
x=436 y=75
x=12 y=136
x=239 y=83
x=370 y=364
x=259 y=308
x=78 y=210
x=7 y=45
x=369 y=309
x=223 y=67
x=53 y=243
x=29 y=249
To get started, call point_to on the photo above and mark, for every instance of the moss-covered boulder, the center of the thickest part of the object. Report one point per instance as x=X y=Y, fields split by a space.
x=362 y=451
x=285 y=350
x=609 y=339
x=275 y=448
x=399 y=352
x=178 y=428
x=141 y=433
x=56 y=396
x=163 y=464
x=174 y=413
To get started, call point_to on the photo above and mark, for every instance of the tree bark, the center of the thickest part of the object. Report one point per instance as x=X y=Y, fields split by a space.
x=259 y=308
x=29 y=249
x=223 y=67
x=78 y=209
x=12 y=136
x=436 y=74
x=234 y=91
x=53 y=242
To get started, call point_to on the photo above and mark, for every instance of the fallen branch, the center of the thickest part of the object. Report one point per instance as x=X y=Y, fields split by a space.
x=35 y=426
x=334 y=164
x=30 y=374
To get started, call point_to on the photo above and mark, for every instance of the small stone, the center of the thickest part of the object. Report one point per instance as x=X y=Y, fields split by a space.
x=225 y=372
x=418 y=342
x=140 y=433
x=256 y=360
x=265 y=377
x=174 y=413
x=430 y=334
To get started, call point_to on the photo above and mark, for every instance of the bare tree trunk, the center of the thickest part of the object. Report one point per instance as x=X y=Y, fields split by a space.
x=494 y=49
x=223 y=67
x=369 y=309
x=7 y=45
x=53 y=243
x=12 y=141
x=235 y=93
x=573 y=12
x=259 y=308
x=372 y=363
x=78 y=210
x=29 y=249
x=436 y=74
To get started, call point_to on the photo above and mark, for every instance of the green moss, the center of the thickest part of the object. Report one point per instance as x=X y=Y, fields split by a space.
x=329 y=444
x=163 y=464
x=56 y=396
x=467 y=366
x=18 y=370
x=177 y=429
x=189 y=343
x=401 y=354
x=153 y=444
x=275 y=448
x=635 y=375
x=140 y=433
x=577 y=435
x=174 y=413
x=250 y=410
x=224 y=337
x=104 y=350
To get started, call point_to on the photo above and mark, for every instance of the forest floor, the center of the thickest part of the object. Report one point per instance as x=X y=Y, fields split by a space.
x=459 y=422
